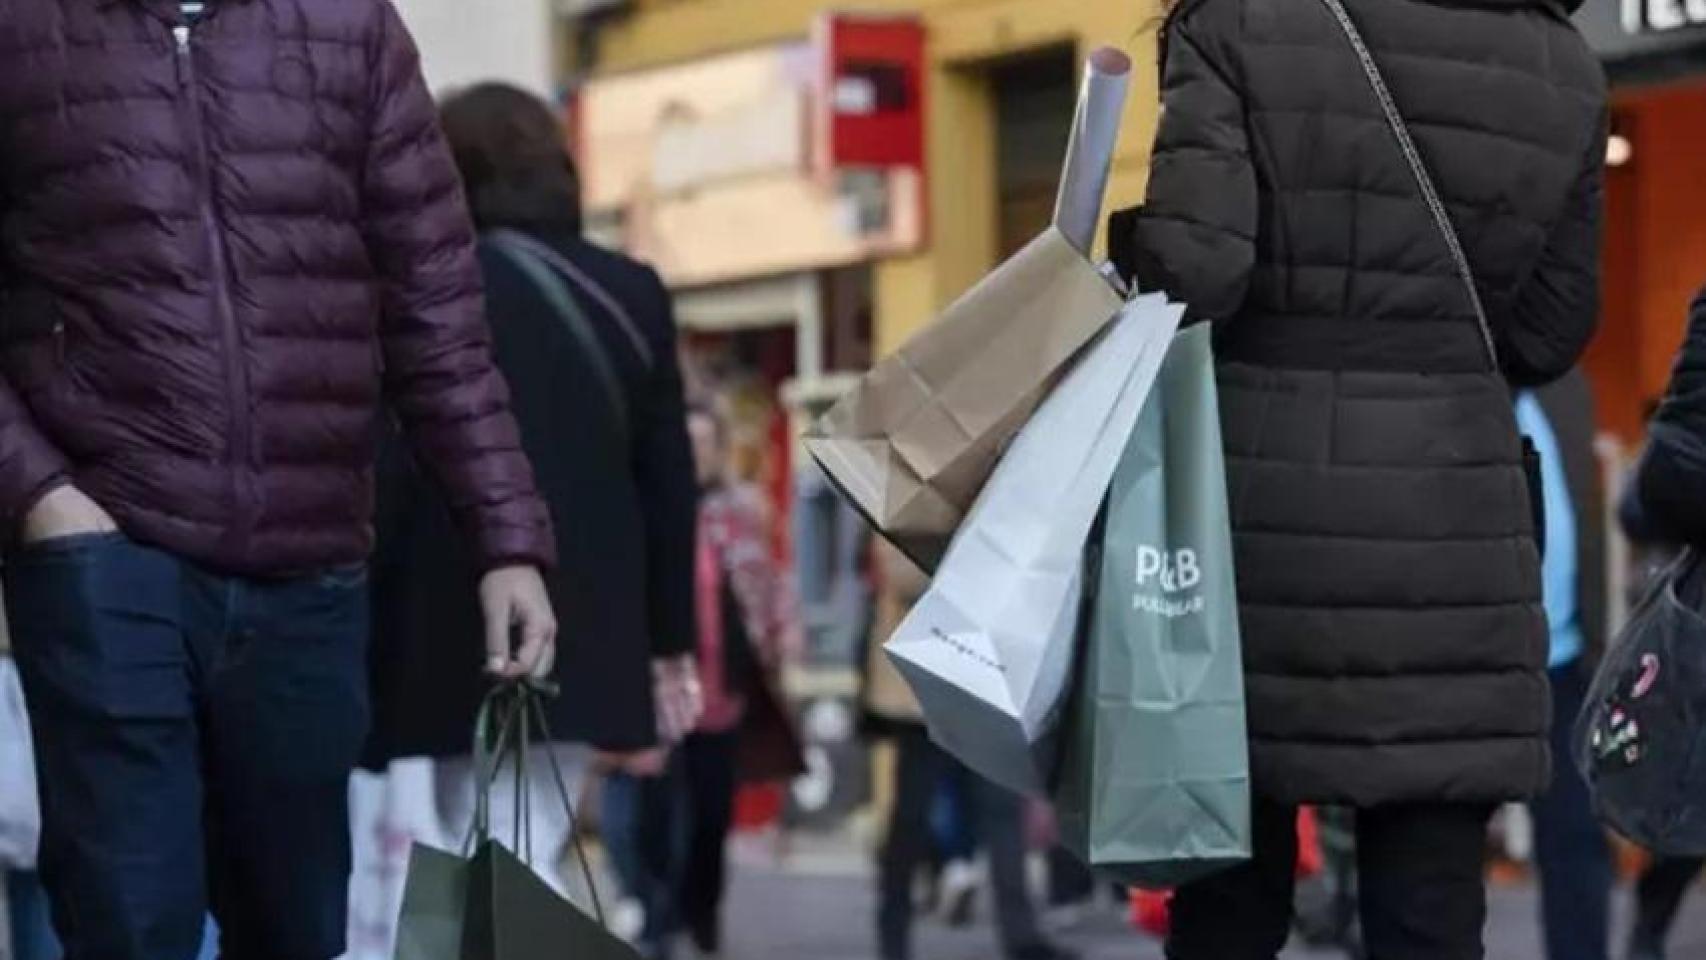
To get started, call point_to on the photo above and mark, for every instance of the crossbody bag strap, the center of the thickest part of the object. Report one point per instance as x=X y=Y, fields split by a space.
x=584 y=282
x=555 y=289
x=1424 y=181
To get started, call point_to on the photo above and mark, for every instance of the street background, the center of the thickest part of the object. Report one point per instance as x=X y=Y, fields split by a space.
x=815 y=183
x=820 y=907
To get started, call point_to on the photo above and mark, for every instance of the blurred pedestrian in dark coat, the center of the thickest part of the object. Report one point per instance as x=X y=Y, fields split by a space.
x=613 y=461
x=1666 y=504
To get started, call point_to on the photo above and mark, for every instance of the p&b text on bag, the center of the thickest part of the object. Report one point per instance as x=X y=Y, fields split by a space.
x=1174 y=572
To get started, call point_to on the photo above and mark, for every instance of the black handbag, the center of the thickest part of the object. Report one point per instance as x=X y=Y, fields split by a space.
x=1640 y=742
x=1442 y=219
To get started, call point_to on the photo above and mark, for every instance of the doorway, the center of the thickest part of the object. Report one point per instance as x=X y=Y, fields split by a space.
x=1035 y=96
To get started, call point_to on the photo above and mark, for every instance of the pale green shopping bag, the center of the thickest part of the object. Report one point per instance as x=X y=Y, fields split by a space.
x=1154 y=787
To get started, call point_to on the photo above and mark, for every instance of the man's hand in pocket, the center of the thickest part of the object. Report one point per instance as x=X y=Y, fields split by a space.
x=64 y=512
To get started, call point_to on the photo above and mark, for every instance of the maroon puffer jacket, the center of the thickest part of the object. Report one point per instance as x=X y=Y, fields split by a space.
x=215 y=245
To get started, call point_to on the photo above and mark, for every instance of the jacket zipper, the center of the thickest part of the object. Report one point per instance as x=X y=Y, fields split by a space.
x=238 y=445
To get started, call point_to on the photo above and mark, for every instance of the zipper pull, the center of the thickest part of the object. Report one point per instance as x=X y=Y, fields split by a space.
x=181 y=34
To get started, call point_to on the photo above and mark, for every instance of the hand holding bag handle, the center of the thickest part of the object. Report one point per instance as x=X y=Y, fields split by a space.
x=1442 y=220
x=503 y=728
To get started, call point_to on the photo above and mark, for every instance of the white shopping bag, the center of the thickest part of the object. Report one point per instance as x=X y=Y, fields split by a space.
x=989 y=648
x=20 y=812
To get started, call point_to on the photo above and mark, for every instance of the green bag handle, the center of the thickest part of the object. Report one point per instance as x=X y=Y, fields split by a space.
x=487 y=749
x=503 y=729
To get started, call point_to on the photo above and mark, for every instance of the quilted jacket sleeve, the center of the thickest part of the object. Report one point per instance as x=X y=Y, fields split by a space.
x=1196 y=232
x=439 y=373
x=1557 y=310
x=1672 y=472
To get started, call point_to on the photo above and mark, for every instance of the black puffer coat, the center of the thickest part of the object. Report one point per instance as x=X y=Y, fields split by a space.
x=1390 y=587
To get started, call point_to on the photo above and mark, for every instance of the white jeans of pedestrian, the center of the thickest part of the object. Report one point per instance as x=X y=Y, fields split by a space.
x=549 y=822
x=389 y=814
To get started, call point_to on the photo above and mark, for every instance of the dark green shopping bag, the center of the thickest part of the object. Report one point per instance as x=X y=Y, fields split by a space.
x=1154 y=787
x=435 y=906
x=491 y=905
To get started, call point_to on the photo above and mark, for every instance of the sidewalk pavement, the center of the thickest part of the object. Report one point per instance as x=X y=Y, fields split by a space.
x=819 y=903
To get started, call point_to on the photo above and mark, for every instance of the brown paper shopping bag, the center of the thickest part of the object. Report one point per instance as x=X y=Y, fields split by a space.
x=915 y=441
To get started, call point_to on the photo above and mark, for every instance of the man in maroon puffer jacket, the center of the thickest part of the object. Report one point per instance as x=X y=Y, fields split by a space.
x=228 y=232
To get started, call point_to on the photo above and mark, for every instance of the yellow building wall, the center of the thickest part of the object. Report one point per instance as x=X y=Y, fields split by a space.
x=965 y=36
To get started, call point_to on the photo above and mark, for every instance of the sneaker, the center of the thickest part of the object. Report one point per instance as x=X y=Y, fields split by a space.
x=959 y=885
x=628 y=920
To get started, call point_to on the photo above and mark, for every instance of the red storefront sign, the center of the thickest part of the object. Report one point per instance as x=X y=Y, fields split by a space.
x=873 y=93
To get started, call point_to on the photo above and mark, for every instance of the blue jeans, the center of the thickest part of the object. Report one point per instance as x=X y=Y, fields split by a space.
x=643 y=826
x=194 y=739
x=951 y=820
x=32 y=928
x=1570 y=849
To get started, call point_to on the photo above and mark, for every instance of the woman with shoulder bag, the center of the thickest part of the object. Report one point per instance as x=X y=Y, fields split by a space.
x=1389 y=210
x=586 y=340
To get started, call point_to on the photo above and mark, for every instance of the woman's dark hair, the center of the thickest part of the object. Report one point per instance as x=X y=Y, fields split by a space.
x=514 y=158
x=1161 y=24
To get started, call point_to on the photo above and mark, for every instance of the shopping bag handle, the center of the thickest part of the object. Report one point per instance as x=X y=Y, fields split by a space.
x=512 y=709
x=491 y=741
